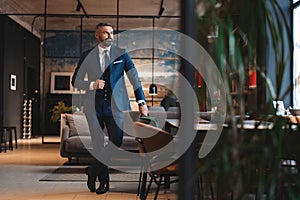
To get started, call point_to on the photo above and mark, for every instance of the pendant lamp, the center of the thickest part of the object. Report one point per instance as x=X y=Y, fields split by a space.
x=153 y=87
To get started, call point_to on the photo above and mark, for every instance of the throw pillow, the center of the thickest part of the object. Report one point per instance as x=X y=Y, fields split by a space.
x=78 y=124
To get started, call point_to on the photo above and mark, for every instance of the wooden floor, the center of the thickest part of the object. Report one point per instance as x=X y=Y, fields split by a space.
x=22 y=169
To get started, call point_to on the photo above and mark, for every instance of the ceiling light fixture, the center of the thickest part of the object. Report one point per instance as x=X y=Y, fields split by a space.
x=153 y=87
x=161 y=9
x=79 y=5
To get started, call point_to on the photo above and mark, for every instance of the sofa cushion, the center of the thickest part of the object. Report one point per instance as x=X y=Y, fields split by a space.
x=78 y=124
x=78 y=144
x=129 y=143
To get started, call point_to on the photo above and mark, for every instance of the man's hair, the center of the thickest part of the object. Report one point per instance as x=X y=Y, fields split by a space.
x=103 y=24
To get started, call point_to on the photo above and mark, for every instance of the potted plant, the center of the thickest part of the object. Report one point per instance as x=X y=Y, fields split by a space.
x=240 y=48
x=60 y=108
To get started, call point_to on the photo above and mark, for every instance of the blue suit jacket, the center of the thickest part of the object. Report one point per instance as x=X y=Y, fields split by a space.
x=121 y=63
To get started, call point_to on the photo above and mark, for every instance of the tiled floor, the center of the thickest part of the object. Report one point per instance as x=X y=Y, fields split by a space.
x=22 y=168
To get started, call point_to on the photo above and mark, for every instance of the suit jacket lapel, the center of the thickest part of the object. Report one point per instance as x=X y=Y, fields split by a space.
x=94 y=55
x=112 y=54
x=90 y=61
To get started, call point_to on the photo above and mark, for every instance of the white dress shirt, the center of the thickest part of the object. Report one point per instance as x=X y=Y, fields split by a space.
x=102 y=60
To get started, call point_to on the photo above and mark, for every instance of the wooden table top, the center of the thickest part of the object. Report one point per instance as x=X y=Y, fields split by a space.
x=204 y=125
x=199 y=125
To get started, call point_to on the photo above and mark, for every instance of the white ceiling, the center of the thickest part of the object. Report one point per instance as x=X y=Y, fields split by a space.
x=62 y=14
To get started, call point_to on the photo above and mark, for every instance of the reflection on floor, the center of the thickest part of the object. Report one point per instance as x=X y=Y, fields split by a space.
x=22 y=169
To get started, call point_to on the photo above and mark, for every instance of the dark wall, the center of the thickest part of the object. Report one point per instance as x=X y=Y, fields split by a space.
x=1 y=70
x=32 y=77
x=20 y=51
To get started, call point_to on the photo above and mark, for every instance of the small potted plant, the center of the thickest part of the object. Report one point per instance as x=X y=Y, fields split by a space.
x=60 y=108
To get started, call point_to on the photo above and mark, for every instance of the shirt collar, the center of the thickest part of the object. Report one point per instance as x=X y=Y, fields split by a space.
x=101 y=49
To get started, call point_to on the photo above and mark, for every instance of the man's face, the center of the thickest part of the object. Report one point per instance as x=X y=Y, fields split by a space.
x=104 y=35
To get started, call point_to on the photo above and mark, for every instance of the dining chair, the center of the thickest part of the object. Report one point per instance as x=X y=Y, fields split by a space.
x=149 y=150
x=151 y=140
x=156 y=108
x=174 y=109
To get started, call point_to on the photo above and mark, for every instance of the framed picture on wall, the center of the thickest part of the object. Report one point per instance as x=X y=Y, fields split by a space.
x=13 y=82
x=61 y=83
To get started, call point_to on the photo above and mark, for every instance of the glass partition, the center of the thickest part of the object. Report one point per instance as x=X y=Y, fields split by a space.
x=296 y=60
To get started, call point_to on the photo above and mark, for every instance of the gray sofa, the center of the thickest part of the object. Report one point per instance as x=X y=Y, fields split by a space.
x=75 y=139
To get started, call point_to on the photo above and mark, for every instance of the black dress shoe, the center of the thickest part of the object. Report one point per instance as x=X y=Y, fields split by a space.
x=91 y=179
x=103 y=188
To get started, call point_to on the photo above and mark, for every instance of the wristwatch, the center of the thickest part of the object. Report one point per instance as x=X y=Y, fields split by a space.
x=142 y=103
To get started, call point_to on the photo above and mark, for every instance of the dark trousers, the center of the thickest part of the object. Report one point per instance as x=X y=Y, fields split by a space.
x=115 y=135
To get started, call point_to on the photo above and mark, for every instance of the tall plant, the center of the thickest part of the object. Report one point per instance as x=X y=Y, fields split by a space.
x=249 y=164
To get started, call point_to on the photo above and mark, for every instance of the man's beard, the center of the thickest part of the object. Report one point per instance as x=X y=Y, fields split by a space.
x=107 y=42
